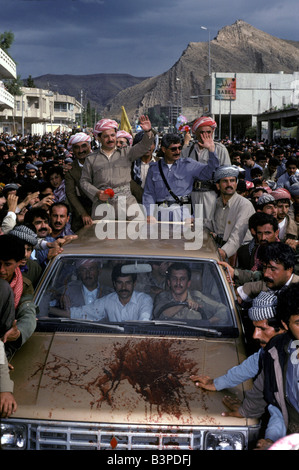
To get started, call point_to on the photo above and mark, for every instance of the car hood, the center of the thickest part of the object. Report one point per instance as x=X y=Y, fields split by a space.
x=118 y=379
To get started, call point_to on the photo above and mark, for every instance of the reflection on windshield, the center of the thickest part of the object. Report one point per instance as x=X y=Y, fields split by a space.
x=119 y=290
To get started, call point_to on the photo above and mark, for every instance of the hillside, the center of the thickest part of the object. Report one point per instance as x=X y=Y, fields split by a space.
x=99 y=89
x=237 y=48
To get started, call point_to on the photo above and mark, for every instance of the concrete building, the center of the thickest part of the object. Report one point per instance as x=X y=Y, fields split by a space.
x=8 y=69
x=39 y=111
x=236 y=99
x=281 y=124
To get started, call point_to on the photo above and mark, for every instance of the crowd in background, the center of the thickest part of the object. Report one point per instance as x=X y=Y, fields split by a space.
x=37 y=209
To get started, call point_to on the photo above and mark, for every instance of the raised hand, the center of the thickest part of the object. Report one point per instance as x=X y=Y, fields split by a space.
x=145 y=123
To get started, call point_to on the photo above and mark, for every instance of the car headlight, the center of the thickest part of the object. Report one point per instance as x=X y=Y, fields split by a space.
x=224 y=441
x=13 y=436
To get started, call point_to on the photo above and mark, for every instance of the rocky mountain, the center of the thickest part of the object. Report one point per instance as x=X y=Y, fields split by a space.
x=237 y=48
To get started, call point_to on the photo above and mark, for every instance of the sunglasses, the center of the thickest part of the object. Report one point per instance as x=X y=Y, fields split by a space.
x=174 y=149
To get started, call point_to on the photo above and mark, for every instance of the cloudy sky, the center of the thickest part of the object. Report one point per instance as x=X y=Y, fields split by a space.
x=140 y=37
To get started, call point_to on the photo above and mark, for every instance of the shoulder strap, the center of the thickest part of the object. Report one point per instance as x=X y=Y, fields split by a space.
x=165 y=181
x=191 y=150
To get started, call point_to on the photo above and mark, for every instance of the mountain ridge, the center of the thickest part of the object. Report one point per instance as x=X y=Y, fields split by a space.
x=237 y=48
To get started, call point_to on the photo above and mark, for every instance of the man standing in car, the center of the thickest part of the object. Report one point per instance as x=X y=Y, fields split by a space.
x=169 y=181
x=204 y=192
x=109 y=168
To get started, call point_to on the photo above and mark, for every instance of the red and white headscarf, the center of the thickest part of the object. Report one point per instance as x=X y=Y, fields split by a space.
x=104 y=125
x=126 y=135
x=17 y=286
x=76 y=138
x=203 y=121
x=281 y=193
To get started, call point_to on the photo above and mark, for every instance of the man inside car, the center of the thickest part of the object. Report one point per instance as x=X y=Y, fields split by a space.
x=84 y=288
x=125 y=304
x=179 y=302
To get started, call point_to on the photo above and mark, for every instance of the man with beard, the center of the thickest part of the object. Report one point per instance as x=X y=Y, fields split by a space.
x=80 y=204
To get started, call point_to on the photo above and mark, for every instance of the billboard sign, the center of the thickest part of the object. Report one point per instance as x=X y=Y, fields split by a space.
x=225 y=88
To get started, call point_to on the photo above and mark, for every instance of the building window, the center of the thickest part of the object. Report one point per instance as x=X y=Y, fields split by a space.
x=60 y=107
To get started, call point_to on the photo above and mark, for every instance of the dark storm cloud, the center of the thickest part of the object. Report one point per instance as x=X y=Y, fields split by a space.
x=138 y=37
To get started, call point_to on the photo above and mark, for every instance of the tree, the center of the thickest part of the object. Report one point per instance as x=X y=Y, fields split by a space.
x=6 y=40
x=14 y=86
x=90 y=116
x=30 y=82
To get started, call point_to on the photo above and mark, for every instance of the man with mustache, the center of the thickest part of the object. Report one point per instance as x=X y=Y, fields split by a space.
x=264 y=229
x=86 y=288
x=179 y=301
x=52 y=232
x=110 y=167
x=80 y=204
x=229 y=222
x=278 y=261
x=204 y=192
x=59 y=218
x=125 y=304
x=276 y=385
x=169 y=181
x=266 y=326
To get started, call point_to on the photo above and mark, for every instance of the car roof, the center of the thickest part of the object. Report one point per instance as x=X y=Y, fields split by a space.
x=90 y=242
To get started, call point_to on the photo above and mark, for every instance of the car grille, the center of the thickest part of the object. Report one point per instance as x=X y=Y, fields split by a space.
x=59 y=435
x=43 y=436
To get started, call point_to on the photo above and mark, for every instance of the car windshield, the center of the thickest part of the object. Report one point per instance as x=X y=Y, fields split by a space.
x=116 y=290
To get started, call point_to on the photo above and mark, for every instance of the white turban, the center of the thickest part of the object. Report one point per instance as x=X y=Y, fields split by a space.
x=76 y=138
x=104 y=125
x=203 y=121
x=226 y=172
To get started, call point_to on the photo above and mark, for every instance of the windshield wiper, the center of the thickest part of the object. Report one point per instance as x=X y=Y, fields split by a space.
x=89 y=322
x=185 y=325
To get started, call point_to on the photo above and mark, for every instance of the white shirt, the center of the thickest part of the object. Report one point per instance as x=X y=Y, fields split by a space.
x=109 y=307
x=144 y=169
x=89 y=296
x=282 y=228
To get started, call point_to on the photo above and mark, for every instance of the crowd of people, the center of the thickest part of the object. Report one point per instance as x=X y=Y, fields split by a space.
x=247 y=193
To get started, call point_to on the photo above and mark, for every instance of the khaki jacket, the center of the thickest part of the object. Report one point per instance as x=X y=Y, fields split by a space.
x=100 y=172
